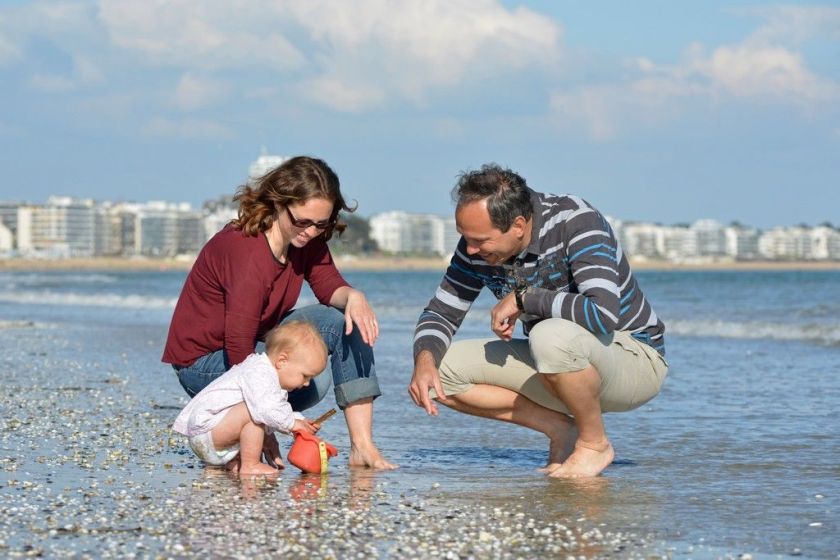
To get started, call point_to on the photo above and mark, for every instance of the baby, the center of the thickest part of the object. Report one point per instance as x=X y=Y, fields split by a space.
x=232 y=415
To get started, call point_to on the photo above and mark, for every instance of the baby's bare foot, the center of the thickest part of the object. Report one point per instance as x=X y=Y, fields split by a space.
x=587 y=460
x=370 y=457
x=258 y=469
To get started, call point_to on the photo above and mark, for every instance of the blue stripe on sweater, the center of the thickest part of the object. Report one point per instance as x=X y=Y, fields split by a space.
x=586 y=314
x=592 y=248
x=597 y=315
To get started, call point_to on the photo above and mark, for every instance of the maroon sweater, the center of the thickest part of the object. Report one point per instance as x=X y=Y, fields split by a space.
x=236 y=292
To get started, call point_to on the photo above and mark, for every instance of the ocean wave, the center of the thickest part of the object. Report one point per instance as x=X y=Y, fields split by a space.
x=19 y=325
x=826 y=334
x=131 y=301
x=36 y=279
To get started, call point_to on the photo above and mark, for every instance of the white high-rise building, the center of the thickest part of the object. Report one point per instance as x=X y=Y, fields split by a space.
x=677 y=243
x=742 y=242
x=825 y=243
x=401 y=232
x=7 y=240
x=710 y=238
x=264 y=164
x=63 y=227
x=640 y=240
x=782 y=243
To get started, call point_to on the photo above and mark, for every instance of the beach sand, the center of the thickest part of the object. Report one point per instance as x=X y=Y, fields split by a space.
x=91 y=469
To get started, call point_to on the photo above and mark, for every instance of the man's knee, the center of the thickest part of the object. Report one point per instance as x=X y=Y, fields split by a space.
x=560 y=346
x=454 y=367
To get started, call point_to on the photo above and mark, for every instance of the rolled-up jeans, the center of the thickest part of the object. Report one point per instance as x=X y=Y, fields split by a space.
x=351 y=363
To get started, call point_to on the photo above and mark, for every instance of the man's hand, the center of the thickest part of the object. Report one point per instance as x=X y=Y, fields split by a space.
x=503 y=317
x=271 y=452
x=425 y=377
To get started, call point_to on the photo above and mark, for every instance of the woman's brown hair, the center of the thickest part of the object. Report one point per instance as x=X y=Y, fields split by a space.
x=296 y=180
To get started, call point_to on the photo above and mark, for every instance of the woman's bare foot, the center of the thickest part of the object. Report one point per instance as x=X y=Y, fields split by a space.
x=257 y=469
x=370 y=457
x=233 y=466
x=587 y=460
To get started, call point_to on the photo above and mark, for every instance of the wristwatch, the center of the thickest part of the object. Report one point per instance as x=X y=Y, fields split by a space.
x=518 y=294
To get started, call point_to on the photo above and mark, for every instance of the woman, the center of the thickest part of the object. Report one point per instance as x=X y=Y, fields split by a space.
x=248 y=277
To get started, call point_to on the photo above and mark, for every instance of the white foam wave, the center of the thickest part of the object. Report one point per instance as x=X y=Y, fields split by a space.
x=132 y=301
x=828 y=334
x=35 y=279
x=17 y=325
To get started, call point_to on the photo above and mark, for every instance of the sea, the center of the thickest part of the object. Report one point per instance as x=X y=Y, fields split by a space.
x=738 y=456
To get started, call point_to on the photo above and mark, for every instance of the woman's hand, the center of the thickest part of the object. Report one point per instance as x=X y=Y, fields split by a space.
x=357 y=310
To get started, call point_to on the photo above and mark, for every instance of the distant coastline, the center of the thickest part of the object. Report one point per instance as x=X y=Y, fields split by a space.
x=381 y=263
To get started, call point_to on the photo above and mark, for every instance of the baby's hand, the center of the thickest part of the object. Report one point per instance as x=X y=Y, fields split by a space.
x=305 y=426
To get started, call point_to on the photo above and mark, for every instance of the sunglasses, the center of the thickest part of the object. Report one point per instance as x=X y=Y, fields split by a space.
x=303 y=224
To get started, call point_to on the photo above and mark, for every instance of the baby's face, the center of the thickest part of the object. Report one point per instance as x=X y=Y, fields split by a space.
x=301 y=366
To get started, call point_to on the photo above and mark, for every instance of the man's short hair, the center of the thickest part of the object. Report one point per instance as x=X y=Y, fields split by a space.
x=507 y=194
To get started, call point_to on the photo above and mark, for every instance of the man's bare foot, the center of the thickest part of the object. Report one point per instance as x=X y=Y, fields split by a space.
x=369 y=457
x=257 y=469
x=560 y=447
x=587 y=460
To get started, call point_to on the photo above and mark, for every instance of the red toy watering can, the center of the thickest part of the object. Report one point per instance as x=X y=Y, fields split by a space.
x=310 y=454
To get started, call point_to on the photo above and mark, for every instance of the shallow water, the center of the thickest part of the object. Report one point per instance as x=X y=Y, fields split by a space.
x=739 y=454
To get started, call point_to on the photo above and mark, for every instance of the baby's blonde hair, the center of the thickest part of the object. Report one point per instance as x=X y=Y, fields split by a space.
x=294 y=335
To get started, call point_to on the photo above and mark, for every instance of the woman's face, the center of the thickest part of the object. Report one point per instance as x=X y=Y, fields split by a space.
x=312 y=217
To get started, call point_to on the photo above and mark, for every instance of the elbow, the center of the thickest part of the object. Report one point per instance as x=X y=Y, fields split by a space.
x=604 y=318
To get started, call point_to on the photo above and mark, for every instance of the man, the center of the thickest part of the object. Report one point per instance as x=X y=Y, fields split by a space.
x=594 y=342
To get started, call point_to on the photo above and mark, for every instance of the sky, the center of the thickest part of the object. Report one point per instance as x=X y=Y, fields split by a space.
x=651 y=110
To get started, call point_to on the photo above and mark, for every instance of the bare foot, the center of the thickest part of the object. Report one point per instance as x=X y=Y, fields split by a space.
x=586 y=461
x=560 y=447
x=233 y=466
x=257 y=469
x=369 y=457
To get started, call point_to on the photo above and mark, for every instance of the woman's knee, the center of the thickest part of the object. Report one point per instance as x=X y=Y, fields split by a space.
x=328 y=320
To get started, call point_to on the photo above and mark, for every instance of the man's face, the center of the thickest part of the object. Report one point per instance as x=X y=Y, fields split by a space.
x=484 y=239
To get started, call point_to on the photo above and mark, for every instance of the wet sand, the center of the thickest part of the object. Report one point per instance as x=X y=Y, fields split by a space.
x=90 y=468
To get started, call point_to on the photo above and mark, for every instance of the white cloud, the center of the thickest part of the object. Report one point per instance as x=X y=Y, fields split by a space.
x=9 y=51
x=84 y=73
x=749 y=70
x=196 y=92
x=423 y=46
x=190 y=129
x=199 y=34
x=349 y=56
x=360 y=54
x=52 y=83
x=796 y=24
x=342 y=95
x=759 y=67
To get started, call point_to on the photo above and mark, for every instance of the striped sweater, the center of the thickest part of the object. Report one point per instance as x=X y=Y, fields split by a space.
x=574 y=269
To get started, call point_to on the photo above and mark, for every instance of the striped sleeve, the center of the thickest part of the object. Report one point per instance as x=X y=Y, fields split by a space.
x=592 y=261
x=446 y=310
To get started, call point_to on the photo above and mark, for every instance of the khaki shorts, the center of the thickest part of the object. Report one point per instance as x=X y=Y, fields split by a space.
x=631 y=371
